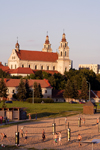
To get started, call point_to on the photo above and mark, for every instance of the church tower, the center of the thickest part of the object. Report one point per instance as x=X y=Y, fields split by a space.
x=47 y=45
x=63 y=56
x=17 y=46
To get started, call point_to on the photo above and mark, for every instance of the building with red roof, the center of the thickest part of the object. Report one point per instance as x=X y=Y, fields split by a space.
x=41 y=60
x=12 y=85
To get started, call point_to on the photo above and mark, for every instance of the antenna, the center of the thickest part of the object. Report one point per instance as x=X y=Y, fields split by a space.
x=47 y=32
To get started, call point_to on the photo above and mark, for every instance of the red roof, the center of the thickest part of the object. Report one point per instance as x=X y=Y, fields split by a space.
x=15 y=82
x=21 y=70
x=4 y=68
x=37 y=56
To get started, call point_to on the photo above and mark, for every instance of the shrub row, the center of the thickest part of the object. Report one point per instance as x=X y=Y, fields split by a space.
x=39 y=100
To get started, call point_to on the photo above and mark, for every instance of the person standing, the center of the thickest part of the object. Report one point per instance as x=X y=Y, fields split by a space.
x=60 y=143
x=79 y=139
x=43 y=135
x=21 y=132
x=26 y=137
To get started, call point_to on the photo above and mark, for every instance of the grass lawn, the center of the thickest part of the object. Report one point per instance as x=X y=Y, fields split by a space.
x=48 y=109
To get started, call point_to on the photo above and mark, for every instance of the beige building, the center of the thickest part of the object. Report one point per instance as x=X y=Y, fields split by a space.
x=42 y=60
x=94 y=67
x=12 y=85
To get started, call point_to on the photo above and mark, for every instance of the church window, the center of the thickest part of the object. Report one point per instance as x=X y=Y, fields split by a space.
x=61 y=53
x=11 y=66
x=65 y=53
x=41 y=67
x=29 y=66
x=47 y=67
x=22 y=66
x=65 y=69
x=53 y=67
x=35 y=66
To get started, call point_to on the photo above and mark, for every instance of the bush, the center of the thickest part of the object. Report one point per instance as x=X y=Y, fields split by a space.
x=39 y=100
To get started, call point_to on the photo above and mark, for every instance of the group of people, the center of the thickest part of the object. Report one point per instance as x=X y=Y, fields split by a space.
x=57 y=138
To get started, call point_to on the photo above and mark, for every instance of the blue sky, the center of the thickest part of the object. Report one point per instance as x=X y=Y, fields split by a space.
x=29 y=20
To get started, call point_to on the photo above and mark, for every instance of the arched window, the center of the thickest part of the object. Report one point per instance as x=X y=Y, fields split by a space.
x=11 y=66
x=65 y=69
x=53 y=67
x=61 y=53
x=22 y=66
x=65 y=53
x=65 y=44
x=47 y=67
x=41 y=67
x=15 y=67
x=35 y=66
x=61 y=44
x=29 y=66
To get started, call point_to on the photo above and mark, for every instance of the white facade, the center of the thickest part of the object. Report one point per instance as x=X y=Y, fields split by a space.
x=60 y=63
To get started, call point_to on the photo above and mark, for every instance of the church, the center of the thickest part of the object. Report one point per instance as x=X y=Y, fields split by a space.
x=42 y=60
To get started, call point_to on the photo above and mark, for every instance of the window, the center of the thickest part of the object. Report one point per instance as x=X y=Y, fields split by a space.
x=61 y=44
x=22 y=66
x=15 y=67
x=53 y=67
x=45 y=91
x=41 y=67
x=47 y=67
x=13 y=91
x=35 y=66
x=65 y=44
x=61 y=53
x=29 y=66
x=65 y=53
x=65 y=69
x=11 y=66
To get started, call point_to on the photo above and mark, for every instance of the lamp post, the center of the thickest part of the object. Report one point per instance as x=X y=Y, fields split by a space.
x=33 y=95
x=89 y=89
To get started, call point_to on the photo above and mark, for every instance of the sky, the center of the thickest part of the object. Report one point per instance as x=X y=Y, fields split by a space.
x=30 y=20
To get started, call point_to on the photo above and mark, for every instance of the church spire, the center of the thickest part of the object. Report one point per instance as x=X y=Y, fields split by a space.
x=47 y=45
x=17 y=46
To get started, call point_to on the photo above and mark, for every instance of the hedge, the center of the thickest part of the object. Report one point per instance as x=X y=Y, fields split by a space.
x=39 y=100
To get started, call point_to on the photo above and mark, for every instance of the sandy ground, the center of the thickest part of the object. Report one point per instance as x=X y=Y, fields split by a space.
x=88 y=131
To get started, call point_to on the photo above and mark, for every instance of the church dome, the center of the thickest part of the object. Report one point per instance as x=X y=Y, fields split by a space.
x=47 y=40
x=17 y=45
x=63 y=38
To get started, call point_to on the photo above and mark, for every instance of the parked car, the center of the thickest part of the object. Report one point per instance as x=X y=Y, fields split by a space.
x=73 y=102
x=81 y=102
x=8 y=102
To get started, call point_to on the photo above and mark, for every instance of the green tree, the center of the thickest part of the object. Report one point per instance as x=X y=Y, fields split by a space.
x=21 y=90
x=37 y=90
x=75 y=89
x=84 y=90
x=3 y=89
x=40 y=91
x=28 y=90
x=68 y=92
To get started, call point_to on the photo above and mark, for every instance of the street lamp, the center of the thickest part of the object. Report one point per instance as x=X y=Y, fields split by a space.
x=33 y=95
x=89 y=89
